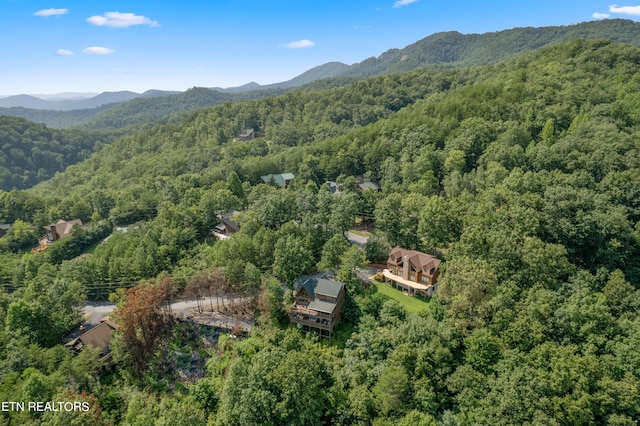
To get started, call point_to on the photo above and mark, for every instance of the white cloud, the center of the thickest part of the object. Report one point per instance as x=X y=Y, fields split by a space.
x=121 y=20
x=401 y=3
x=599 y=15
x=300 y=44
x=64 y=52
x=97 y=50
x=51 y=12
x=626 y=10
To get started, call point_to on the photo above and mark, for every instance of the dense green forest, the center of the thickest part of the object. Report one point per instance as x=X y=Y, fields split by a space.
x=52 y=118
x=523 y=176
x=145 y=110
x=455 y=49
x=32 y=153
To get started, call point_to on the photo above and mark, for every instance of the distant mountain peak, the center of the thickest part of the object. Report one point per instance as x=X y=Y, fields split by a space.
x=443 y=49
x=250 y=85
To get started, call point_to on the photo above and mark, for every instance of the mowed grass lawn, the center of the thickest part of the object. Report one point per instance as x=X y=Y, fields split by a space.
x=361 y=233
x=413 y=305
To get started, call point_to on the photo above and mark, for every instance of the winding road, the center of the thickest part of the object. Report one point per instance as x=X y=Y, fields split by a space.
x=94 y=311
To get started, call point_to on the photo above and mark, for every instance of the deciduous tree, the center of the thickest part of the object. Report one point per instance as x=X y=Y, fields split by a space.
x=144 y=322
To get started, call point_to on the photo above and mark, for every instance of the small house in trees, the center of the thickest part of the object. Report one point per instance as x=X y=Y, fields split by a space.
x=227 y=225
x=99 y=337
x=60 y=230
x=4 y=228
x=318 y=303
x=413 y=272
x=368 y=185
x=282 y=180
x=247 y=135
x=334 y=187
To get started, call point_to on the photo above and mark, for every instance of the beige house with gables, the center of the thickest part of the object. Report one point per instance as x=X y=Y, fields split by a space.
x=413 y=272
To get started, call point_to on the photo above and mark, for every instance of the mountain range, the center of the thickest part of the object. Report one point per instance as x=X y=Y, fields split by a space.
x=440 y=50
x=64 y=103
x=60 y=96
x=454 y=49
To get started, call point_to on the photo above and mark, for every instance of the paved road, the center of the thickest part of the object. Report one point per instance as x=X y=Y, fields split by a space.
x=357 y=239
x=95 y=311
x=366 y=273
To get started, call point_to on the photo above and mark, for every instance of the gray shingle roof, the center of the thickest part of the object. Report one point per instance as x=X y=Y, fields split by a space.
x=321 y=306
x=313 y=286
x=333 y=187
x=369 y=185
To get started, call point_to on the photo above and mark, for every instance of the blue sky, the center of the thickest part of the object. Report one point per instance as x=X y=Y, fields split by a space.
x=97 y=45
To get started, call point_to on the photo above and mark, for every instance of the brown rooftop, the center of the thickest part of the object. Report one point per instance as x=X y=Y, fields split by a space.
x=420 y=261
x=61 y=229
x=99 y=336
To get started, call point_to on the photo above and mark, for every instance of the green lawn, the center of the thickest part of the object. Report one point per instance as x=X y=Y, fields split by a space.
x=413 y=305
x=361 y=233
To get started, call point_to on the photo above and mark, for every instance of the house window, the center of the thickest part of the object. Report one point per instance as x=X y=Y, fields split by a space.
x=412 y=277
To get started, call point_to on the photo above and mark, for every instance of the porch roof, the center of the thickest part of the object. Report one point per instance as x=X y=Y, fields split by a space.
x=401 y=280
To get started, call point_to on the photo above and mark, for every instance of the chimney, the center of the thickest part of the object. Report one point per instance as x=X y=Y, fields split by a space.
x=405 y=266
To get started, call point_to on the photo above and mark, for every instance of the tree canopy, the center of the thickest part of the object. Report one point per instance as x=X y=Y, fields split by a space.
x=522 y=176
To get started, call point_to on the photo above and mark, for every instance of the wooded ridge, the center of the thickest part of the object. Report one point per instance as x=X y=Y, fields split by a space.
x=522 y=176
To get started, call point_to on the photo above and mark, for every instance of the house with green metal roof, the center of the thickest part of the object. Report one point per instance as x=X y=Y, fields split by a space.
x=282 y=179
x=318 y=303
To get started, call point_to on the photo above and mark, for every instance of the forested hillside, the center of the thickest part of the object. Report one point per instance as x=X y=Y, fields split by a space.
x=147 y=109
x=455 y=49
x=523 y=176
x=54 y=119
x=32 y=153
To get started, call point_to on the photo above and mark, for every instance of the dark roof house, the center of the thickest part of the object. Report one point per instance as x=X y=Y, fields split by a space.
x=227 y=225
x=318 y=303
x=247 y=135
x=4 y=228
x=333 y=187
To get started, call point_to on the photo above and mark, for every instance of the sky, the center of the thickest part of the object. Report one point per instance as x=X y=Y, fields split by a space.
x=55 y=46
